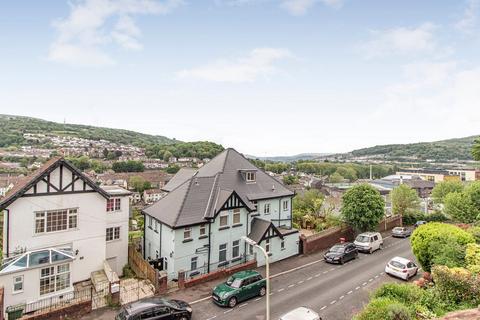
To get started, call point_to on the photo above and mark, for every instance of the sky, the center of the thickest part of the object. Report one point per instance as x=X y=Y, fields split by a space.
x=267 y=77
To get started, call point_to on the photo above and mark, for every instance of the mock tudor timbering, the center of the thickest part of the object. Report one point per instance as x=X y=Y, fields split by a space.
x=197 y=227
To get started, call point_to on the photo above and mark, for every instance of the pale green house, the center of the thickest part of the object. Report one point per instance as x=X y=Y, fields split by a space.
x=197 y=227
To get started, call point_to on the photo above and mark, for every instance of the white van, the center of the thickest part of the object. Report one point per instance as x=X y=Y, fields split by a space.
x=369 y=242
x=302 y=313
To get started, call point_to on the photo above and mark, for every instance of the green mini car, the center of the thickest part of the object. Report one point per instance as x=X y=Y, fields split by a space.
x=240 y=286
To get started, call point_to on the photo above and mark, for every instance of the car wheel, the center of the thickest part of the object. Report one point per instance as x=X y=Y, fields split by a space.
x=263 y=291
x=341 y=261
x=184 y=318
x=232 y=302
x=381 y=246
x=370 y=250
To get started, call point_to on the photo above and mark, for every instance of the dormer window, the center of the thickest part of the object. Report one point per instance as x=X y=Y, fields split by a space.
x=250 y=176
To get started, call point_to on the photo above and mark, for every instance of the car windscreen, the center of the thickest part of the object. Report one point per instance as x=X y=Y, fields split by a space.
x=339 y=249
x=234 y=283
x=398 y=229
x=121 y=316
x=361 y=238
x=397 y=264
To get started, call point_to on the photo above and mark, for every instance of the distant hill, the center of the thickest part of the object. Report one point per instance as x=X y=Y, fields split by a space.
x=302 y=156
x=13 y=128
x=451 y=149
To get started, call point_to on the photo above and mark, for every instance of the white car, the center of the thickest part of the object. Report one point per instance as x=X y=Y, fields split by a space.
x=301 y=313
x=401 y=268
x=369 y=241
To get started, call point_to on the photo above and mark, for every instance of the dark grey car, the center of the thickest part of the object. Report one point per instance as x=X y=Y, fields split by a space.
x=401 y=232
x=155 y=308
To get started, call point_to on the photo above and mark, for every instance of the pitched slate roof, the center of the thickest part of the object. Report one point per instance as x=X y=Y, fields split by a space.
x=25 y=183
x=260 y=228
x=200 y=197
x=182 y=175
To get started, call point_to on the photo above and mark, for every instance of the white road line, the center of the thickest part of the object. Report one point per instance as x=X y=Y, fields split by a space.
x=212 y=318
x=280 y=290
x=225 y=312
x=317 y=275
x=200 y=300
x=333 y=302
x=370 y=280
x=333 y=269
x=301 y=281
x=376 y=276
x=382 y=273
x=271 y=293
x=291 y=286
x=364 y=284
x=325 y=272
x=349 y=292
x=341 y=297
x=310 y=278
x=296 y=268
x=258 y=299
x=357 y=288
x=243 y=305
x=323 y=308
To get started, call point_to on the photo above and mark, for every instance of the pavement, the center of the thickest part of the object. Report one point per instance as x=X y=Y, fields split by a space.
x=336 y=292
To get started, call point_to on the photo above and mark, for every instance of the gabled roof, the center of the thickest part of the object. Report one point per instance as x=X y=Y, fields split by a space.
x=182 y=175
x=25 y=183
x=260 y=229
x=200 y=197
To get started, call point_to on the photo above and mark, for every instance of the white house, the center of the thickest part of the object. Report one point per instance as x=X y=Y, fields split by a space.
x=197 y=227
x=152 y=195
x=58 y=228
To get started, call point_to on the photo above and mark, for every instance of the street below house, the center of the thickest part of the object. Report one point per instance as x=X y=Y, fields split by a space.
x=336 y=292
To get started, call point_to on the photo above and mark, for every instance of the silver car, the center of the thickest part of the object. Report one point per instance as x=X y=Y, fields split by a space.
x=401 y=232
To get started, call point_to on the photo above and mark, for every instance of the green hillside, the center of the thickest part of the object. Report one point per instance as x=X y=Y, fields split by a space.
x=13 y=128
x=451 y=149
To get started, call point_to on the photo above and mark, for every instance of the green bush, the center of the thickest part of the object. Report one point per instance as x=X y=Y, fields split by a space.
x=128 y=272
x=472 y=258
x=385 y=309
x=457 y=286
x=435 y=217
x=404 y=293
x=475 y=231
x=440 y=243
x=363 y=207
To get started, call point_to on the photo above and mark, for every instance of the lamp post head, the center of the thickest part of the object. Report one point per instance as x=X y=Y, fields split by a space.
x=249 y=241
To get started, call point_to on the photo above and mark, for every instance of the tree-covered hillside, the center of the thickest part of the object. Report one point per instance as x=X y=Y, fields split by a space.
x=13 y=128
x=451 y=149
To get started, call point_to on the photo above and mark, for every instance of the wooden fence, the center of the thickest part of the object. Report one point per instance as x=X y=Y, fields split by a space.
x=142 y=268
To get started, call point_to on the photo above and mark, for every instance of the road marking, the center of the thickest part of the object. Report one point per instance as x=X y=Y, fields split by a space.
x=382 y=273
x=271 y=293
x=333 y=269
x=341 y=297
x=291 y=286
x=258 y=299
x=323 y=308
x=370 y=280
x=325 y=272
x=376 y=276
x=300 y=282
x=243 y=305
x=200 y=300
x=364 y=284
x=310 y=278
x=225 y=312
x=333 y=302
x=296 y=268
x=349 y=292
x=317 y=275
x=280 y=290
x=212 y=318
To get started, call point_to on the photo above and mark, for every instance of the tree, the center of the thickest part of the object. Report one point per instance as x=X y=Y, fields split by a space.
x=440 y=243
x=138 y=183
x=309 y=203
x=363 y=207
x=290 y=179
x=336 y=178
x=128 y=166
x=81 y=163
x=443 y=188
x=405 y=200
x=172 y=169
x=464 y=206
x=167 y=155
x=476 y=149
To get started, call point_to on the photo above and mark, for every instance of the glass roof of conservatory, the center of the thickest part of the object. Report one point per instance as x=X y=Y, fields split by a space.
x=33 y=259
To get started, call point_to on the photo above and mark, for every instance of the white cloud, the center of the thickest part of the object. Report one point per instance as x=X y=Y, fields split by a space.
x=405 y=41
x=259 y=62
x=300 y=7
x=469 y=20
x=94 y=24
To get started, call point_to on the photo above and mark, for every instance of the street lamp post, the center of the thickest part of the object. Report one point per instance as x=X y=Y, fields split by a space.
x=267 y=272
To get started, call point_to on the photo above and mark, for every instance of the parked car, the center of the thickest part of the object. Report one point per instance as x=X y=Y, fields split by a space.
x=401 y=232
x=401 y=268
x=301 y=313
x=341 y=253
x=369 y=242
x=155 y=308
x=240 y=286
x=419 y=223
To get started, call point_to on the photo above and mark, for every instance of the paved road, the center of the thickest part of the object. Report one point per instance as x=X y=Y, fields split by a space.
x=336 y=292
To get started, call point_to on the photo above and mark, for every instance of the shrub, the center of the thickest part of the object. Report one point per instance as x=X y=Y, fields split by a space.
x=475 y=231
x=435 y=217
x=457 y=286
x=472 y=257
x=437 y=242
x=404 y=293
x=385 y=309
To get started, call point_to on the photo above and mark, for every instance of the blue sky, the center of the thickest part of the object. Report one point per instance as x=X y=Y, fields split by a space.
x=268 y=77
